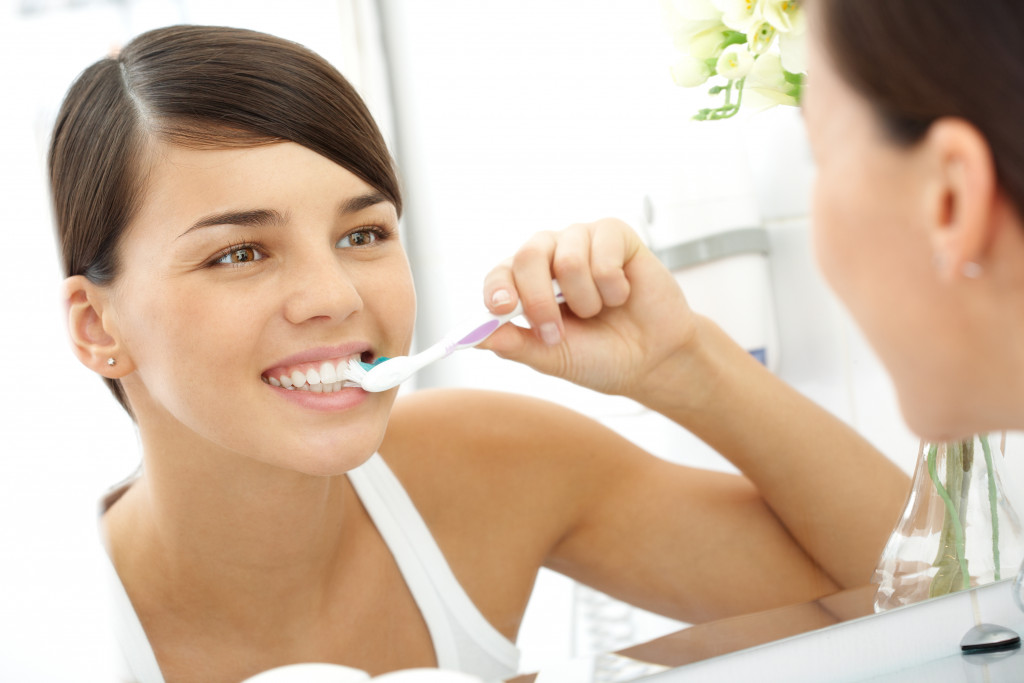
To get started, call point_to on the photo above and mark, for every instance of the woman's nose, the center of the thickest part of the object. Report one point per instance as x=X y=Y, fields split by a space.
x=320 y=286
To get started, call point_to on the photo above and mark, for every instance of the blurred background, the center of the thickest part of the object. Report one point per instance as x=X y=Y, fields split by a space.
x=506 y=118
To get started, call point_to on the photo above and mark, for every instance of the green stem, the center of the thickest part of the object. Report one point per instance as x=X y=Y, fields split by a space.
x=952 y=514
x=992 y=500
x=728 y=109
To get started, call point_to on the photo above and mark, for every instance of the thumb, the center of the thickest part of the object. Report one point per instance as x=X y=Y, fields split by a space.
x=520 y=344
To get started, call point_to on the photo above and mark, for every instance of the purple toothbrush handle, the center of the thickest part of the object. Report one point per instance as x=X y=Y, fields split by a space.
x=480 y=333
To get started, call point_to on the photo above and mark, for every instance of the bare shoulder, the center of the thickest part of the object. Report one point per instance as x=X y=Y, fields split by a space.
x=499 y=479
x=474 y=429
x=493 y=453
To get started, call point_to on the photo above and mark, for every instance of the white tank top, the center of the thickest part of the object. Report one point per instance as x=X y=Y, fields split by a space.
x=463 y=639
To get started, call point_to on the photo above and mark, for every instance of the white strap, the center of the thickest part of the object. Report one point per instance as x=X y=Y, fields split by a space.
x=135 y=647
x=426 y=570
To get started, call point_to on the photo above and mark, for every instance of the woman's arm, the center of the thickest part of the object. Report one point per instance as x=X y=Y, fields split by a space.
x=628 y=330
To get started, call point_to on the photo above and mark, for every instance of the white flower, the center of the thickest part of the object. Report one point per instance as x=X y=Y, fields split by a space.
x=697 y=28
x=760 y=37
x=793 y=49
x=784 y=15
x=767 y=82
x=739 y=15
x=689 y=71
x=735 y=62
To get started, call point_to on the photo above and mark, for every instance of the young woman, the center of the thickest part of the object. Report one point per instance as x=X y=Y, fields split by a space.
x=228 y=219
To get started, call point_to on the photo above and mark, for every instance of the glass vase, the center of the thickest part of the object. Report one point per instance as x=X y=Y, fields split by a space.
x=958 y=529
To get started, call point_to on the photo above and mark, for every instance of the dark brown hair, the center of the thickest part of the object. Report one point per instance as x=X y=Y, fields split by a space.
x=197 y=86
x=920 y=61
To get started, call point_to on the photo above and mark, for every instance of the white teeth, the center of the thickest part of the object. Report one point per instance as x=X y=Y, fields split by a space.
x=327 y=379
x=328 y=375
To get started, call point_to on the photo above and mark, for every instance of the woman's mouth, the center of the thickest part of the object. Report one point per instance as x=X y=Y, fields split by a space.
x=319 y=377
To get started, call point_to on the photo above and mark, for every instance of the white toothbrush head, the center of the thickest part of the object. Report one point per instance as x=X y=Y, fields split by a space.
x=356 y=370
x=385 y=375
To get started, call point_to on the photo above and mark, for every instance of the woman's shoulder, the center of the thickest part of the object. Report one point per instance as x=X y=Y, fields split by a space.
x=449 y=426
x=461 y=451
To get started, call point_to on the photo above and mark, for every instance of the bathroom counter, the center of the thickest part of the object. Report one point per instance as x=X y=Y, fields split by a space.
x=918 y=642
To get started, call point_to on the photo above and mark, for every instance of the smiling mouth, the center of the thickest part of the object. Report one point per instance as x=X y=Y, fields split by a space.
x=318 y=377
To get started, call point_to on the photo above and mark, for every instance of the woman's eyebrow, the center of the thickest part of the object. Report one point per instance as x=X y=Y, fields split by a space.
x=363 y=201
x=251 y=218
x=266 y=217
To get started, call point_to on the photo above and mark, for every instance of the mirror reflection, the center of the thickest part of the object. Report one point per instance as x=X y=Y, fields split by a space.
x=697 y=430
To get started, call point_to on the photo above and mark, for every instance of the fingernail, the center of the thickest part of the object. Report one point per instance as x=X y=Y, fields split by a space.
x=550 y=334
x=500 y=296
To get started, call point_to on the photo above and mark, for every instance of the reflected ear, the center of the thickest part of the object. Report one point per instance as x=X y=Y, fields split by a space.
x=961 y=198
x=93 y=337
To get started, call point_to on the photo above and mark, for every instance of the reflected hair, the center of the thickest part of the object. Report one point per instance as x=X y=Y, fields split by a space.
x=202 y=87
x=918 y=62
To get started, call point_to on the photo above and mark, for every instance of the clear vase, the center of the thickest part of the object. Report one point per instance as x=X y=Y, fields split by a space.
x=958 y=529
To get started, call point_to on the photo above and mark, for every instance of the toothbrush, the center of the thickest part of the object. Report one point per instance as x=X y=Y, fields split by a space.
x=385 y=373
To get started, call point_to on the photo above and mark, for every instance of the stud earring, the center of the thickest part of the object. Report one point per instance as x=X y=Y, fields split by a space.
x=111 y=362
x=971 y=270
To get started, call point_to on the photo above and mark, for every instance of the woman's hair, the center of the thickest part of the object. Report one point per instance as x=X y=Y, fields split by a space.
x=919 y=61
x=200 y=87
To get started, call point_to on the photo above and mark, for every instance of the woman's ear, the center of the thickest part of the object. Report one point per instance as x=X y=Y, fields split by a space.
x=961 y=197
x=90 y=327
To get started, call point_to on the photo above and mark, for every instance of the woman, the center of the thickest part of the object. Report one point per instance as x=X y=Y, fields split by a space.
x=228 y=215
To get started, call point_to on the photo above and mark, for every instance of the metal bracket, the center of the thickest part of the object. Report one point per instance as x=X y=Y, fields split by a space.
x=714 y=247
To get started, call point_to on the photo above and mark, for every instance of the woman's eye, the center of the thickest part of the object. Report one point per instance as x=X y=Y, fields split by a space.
x=359 y=238
x=238 y=255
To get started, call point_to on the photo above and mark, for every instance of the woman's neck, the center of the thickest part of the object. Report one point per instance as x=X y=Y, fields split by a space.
x=220 y=531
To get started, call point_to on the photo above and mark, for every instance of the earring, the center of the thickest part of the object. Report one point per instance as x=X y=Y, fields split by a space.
x=111 y=362
x=971 y=270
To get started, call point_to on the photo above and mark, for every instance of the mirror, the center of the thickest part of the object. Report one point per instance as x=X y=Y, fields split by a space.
x=565 y=112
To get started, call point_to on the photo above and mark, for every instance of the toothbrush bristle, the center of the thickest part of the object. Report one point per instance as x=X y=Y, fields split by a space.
x=356 y=370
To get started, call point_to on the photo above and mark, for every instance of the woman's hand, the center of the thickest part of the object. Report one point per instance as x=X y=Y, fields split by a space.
x=625 y=323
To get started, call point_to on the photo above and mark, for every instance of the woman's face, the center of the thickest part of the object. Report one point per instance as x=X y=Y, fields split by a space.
x=869 y=222
x=248 y=265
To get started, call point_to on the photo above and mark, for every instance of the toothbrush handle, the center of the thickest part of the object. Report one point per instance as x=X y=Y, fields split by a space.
x=474 y=332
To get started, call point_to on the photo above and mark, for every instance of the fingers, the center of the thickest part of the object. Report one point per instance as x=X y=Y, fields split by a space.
x=588 y=260
x=570 y=265
x=610 y=251
x=532 y=273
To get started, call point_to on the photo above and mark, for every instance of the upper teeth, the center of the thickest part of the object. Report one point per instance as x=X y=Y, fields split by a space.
x=326 y=378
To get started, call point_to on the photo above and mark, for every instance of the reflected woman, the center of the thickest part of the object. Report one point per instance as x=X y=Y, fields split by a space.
x=228 y=216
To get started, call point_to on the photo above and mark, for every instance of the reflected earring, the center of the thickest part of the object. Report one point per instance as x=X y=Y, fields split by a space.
x=111 y=362
x=971 y=270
